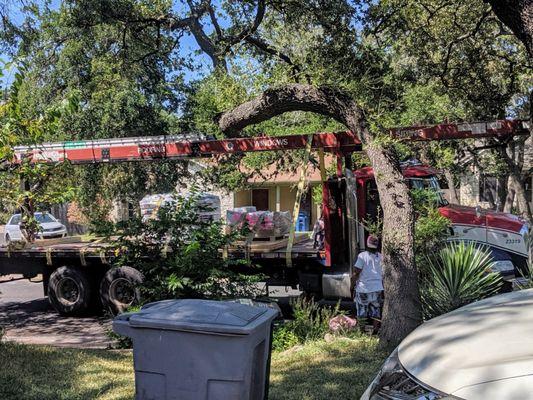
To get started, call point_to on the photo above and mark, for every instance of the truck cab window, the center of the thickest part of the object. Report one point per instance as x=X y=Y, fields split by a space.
x=428 y=183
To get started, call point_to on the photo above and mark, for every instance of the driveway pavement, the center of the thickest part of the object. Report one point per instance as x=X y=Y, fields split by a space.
x=28 y=318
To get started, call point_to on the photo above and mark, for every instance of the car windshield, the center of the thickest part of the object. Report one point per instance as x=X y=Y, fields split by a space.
x=15 y=220
x=429 y=183
x=44 y=218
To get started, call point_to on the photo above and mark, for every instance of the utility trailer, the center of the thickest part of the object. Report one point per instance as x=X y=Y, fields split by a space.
x=77 y=276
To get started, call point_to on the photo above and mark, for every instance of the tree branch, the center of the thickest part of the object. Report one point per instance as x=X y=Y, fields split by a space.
x=214 y=21
x=266 y=48
x=517 y=15
x=249 y=30
x=296 y=97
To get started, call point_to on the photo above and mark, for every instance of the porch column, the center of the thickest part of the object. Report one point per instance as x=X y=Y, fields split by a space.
x=278 y=198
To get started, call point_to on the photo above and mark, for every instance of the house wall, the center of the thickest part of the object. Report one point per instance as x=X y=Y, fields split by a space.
x=242 y=198
x=469 y=190
x=470 y=180
x=60 y=211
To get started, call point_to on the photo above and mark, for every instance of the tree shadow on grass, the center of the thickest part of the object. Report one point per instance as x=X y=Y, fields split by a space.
x=43 y=373
x=339 y=370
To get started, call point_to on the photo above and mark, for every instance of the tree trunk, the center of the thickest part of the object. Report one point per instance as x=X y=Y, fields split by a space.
x=518 y=16
x=521 y=198
x=452 y=190
x=501 y=192
x=509 y=199
x=401 y=312
x=27 y=227
x=515 y=180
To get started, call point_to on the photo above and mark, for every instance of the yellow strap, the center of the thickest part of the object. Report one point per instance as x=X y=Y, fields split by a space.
x=49 y=256
x=102 y=257
x=83 y=262
x=155 y=212
x=297 y=201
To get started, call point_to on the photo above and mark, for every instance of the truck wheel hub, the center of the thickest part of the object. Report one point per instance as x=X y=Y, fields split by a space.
x=122 y=290
x=69 y=290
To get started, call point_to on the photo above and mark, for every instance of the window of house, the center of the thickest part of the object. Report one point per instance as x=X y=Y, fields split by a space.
x=488 y=188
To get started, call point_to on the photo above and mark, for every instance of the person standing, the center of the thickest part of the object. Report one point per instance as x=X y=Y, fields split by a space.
x=368 y=288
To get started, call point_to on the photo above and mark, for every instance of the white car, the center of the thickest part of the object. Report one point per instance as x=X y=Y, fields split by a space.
x=50 y=227
x=482 y=351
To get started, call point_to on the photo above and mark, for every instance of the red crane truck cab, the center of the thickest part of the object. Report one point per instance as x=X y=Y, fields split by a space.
x=503 y=233
x=351 y=201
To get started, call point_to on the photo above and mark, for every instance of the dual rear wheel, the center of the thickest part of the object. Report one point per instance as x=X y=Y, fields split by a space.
x=71 y=290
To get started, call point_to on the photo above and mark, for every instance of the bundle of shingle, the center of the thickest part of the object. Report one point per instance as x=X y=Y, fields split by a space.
x=260 y=223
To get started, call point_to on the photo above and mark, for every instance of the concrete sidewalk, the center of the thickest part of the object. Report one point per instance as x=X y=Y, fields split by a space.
x=28 y=318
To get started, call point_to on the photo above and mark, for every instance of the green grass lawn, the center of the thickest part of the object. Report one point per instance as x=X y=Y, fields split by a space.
x=318 y=370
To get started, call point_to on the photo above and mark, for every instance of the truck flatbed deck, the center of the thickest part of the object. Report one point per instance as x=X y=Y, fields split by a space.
x=49 y=254
x=302 y=249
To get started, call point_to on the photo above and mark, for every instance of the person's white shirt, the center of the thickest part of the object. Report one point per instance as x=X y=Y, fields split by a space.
x=371 y=276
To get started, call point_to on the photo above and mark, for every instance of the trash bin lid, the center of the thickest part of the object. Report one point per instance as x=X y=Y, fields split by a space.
x=202 y=315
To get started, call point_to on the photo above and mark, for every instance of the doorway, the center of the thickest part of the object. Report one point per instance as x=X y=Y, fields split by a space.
x=260 y=199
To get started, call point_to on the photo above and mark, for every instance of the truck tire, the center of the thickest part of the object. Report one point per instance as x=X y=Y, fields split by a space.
x=119 y=289
x=69 y=291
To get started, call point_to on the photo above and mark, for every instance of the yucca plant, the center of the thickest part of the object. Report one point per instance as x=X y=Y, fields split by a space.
x=459 y=274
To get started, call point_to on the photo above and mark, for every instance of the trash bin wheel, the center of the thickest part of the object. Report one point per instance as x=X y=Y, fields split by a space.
x=119 y=289
x=69 y=291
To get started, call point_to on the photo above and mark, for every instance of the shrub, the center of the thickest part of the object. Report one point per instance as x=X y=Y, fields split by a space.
x=458 y=274
x=180 y=255
x=310 y=319
x=283 y=337
x=431 y=228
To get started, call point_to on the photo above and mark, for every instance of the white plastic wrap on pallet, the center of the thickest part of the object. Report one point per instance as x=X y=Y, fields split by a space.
x=149 y=204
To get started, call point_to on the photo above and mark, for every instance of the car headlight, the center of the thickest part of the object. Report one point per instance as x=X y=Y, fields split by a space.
x=393 y=383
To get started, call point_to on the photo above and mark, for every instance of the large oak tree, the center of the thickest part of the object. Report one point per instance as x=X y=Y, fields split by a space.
x=401 y=312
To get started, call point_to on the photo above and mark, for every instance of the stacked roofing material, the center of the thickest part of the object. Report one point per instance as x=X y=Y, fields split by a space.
x=262 y=224
x=209 y=204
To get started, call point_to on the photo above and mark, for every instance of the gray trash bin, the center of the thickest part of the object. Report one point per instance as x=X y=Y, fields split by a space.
x=199 y=349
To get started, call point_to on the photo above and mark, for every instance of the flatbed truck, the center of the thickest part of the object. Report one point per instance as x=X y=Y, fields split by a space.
x=80 y=275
